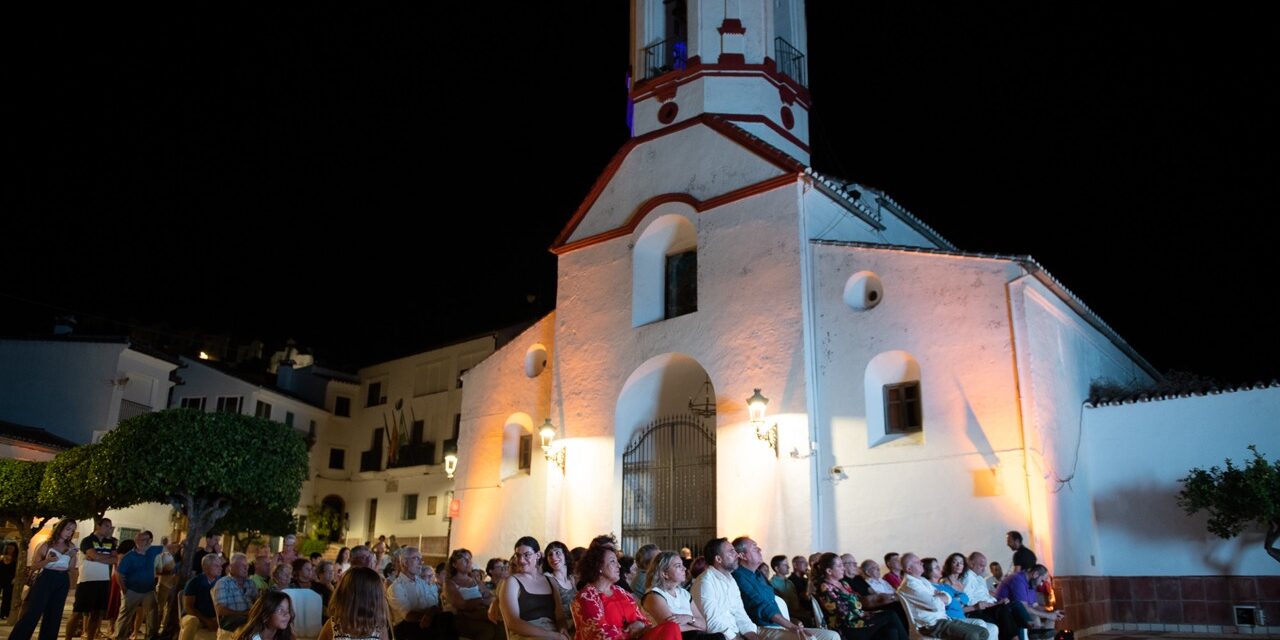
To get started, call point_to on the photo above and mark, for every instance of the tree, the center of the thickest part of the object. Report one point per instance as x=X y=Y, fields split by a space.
x=1236 y=497
x=20 y=504
x=77 y=483
x=248 y=523
x=204 y=464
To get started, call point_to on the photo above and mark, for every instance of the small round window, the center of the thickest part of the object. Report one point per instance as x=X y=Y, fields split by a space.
x=863 y=291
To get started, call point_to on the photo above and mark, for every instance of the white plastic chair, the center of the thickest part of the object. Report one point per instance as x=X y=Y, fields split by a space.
x=308 y=618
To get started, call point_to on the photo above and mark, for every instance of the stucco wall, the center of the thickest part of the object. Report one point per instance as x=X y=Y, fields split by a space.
x=1135 y=455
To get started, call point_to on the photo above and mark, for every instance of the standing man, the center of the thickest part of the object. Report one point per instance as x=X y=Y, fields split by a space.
x=138 y=581
x=94 y=589
x=1023 y=558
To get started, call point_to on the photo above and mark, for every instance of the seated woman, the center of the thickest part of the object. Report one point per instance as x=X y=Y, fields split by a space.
x=665 y=598
x=528 y=599
x=558 y=567
x=358 y=609
x=468 y=598
x=842 y=608
x=604 y=611
x=955 y=608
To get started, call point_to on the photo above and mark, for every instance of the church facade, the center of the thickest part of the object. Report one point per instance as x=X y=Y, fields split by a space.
x=919 y=397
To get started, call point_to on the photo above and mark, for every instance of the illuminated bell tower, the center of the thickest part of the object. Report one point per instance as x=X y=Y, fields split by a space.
x=740 y=60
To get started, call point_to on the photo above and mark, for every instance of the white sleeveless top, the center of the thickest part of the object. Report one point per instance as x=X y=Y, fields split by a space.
x=680 y=603
x=62 y=563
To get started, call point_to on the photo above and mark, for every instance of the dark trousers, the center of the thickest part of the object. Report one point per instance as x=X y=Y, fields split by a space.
x=1002 y=617
x=700 y=635
x=6 y=596
x=441 y=628
x=44 y=605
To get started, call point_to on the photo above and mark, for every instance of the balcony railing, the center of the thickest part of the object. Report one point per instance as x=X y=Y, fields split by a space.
x=661 y=57
x=371 y=460
x=790 y=61
x=130 y=409
x=415 y=454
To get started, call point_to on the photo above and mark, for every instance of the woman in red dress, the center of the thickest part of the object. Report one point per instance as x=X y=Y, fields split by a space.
x=604 y=611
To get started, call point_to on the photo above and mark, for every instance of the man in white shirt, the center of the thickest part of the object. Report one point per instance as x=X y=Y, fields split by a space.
x=983 y=605
x=414 y=605
x=928 y=605
x=718 y=596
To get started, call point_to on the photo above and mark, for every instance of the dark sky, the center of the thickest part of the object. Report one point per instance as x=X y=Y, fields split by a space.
x=372 y=181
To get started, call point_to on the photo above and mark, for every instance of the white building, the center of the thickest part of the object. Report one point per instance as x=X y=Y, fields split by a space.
x=922 y=398
x=75 y=389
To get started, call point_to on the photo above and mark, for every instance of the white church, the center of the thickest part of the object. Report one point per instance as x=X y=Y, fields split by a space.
x=919 y=397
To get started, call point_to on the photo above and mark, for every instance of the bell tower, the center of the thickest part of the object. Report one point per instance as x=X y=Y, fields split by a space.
x=741 y=60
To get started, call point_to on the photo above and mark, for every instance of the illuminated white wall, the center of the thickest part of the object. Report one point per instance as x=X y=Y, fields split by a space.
x=1058 y=357
x=1135 y=455
x=943 y=320
x=499 y=505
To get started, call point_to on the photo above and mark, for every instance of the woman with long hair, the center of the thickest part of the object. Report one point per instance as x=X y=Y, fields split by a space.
x=54 y=557
x=341 y=564
x=842 y=609
x=666 y=598
x=953 y=571
x=605 y=611
x=468 y=598
x=528 y=599
x=270 y=618
x=933 y=572
x=558 y=566
x=358 y=609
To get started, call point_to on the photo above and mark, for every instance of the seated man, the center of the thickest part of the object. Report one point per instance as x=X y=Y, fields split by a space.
x=928 y=605
x=233 y=595
x=800 y=576
x=759 y=601
x=201 y=618
x=1019 y=588
x=877 y=595
x=415 y=606
x=784 y=588
x=982 y=604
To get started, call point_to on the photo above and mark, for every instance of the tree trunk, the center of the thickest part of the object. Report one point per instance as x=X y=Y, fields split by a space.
x=202 y=514
x=26 y=531
x=1273 y=534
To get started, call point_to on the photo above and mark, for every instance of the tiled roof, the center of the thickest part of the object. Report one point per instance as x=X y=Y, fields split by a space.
x=1137 y=397
x=32 y=435
x=901 y=211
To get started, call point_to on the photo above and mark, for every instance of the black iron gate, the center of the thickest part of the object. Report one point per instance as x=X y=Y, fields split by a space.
x=669 y=485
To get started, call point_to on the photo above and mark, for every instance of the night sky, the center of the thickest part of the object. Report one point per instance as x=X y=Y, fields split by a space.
x=374 y=181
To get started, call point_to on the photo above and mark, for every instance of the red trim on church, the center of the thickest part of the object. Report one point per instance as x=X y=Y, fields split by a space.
x=759 y=119
x=695 y=70
x=716 y=123
x=699 y=205
x=732 y=26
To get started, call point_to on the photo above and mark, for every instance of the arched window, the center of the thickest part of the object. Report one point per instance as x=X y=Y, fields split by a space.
x=517 y=446
x=893 y=398
x=665 y=270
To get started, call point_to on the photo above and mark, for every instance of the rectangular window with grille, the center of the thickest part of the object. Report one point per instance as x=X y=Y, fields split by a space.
x=902 y=408
x=410 y=504
x=193 y=403
x=263 y=410
x=342 y=406
x=526 y=452
x=681 y=293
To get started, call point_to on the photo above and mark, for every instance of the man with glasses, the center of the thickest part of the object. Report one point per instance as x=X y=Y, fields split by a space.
x=415 y=606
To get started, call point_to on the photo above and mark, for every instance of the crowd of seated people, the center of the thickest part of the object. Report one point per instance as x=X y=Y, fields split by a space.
x=728 y=592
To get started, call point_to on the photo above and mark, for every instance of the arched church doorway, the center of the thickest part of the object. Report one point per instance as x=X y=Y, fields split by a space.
x=669 y=462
